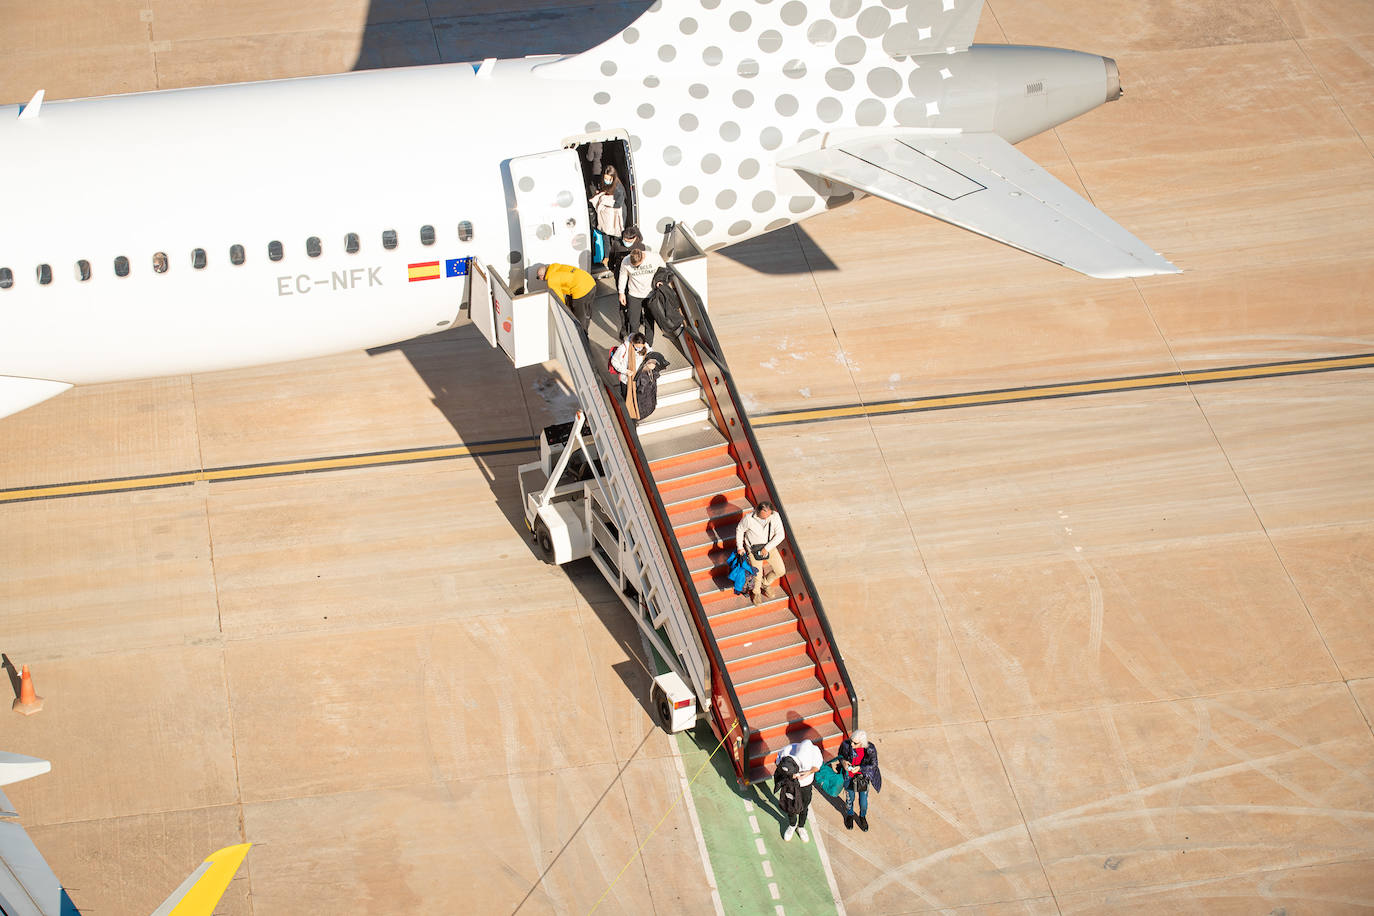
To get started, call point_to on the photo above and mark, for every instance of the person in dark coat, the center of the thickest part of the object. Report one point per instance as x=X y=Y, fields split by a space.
x=620 y=246
x=646 y=382
x=859 y=765
x=792 y=800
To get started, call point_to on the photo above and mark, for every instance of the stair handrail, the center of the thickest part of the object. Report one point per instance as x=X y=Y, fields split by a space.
x=609 y=413
x=729 y=712
x=699 y=341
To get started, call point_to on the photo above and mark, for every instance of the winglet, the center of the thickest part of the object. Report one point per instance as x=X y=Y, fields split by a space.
x=200 y=892
x=17 y=767
x=35 y=105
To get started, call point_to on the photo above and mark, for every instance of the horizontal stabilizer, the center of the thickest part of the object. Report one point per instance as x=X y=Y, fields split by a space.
x=982 y=183
x=18 y=393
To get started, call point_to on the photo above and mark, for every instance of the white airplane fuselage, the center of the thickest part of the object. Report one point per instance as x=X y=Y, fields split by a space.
x=285 y=161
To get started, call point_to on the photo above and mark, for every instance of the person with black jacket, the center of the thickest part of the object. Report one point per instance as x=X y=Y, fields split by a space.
x=793 y=777
x=859 y=766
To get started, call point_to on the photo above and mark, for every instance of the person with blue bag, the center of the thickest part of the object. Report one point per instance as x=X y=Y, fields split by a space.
x=858 y=759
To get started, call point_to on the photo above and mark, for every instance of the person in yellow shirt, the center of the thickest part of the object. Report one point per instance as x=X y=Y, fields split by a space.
x=574 y=285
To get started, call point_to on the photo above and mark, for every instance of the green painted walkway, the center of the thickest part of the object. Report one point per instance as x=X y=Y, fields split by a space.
x=743 y=834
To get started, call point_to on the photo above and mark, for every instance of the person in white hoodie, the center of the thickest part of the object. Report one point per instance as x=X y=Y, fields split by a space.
x=635 y=283
x=757 y=539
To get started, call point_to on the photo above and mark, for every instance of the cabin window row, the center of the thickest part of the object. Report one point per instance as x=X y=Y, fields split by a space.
x=352 y=244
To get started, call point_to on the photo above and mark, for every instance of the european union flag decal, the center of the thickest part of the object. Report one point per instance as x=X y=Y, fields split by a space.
x=456 y=267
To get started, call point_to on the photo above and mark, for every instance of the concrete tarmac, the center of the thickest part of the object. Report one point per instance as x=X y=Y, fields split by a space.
x=1115 y=649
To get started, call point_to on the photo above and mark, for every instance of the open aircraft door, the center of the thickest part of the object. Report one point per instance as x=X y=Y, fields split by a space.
x=551 y=205
x=481 y=306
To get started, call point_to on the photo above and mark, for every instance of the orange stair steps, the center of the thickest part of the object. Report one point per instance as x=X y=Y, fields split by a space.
x=762 y=651
x=701 y=495
x=741 y=630
x=702 y=465
x=671 y=468
x=786 y=698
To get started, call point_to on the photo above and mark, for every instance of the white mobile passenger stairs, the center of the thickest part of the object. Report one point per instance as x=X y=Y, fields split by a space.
x=655 y=507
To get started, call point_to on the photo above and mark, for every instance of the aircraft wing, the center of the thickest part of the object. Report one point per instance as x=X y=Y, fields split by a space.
x=982 y=183
x=28 y=886
x=201 y=890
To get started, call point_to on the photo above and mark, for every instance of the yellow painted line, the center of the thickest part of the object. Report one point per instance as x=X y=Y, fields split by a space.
x=154 y=481
x=1068 y=389
x=1168 y=379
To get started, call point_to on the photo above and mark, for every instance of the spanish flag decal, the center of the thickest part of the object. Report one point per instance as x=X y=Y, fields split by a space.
x=426 y=270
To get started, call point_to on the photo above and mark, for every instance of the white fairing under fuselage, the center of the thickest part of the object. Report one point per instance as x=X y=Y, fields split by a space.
x=290 y=161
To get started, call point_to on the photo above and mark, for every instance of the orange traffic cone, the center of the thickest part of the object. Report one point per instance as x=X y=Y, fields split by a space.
x=28 y=702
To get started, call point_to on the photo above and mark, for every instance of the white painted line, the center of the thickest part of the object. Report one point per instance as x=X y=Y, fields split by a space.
x=758 y=842
x=773 y=890
x=748 y=805
x=690 y=804
x=779 y=911
x=767 y=869
x=753 y=823
x=829 y=874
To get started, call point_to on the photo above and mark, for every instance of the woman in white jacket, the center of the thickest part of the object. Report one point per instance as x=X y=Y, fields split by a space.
x=635 y=283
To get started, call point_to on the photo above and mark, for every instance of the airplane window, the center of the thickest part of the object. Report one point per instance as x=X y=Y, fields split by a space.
x=198 y=259
x=83 y=270
x=389 y=239
x=312 y=246
x=274 y=251
x=121 y=266
x=6 y=278
x=160 y=262
x=465 y=231
x=44 y=274
x=351 y=243
x=426 y=235
x=236 y=255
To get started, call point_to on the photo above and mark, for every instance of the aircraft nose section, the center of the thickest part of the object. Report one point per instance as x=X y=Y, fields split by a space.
x=1113 y=80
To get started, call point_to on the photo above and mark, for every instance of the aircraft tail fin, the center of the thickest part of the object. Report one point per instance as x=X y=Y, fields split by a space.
x=786 y=36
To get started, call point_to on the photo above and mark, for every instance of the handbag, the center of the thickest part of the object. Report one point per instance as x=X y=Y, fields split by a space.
x=859 y=782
